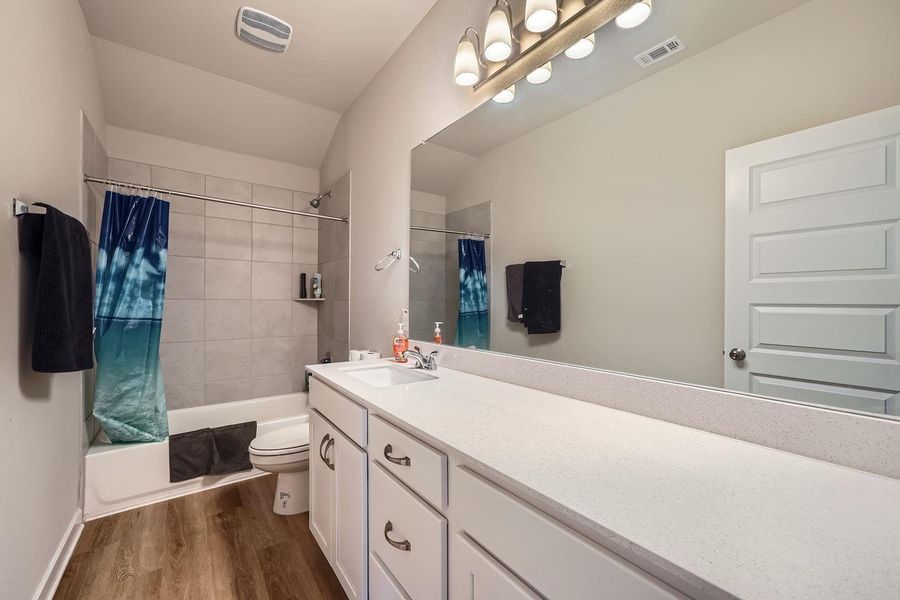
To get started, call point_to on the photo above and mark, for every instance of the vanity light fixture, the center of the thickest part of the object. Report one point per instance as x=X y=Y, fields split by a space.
x=581 y=48
x=467 y=67
x=541 y=74
x=635 y=14
x=498 y=34
x=540 y=15
x=506 y=96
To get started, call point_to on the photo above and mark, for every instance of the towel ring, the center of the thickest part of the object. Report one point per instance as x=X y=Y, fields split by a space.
x=414 y=263
x=390 y=259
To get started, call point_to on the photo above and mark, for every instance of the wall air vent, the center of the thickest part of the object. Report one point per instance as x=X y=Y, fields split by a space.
x=263 y=30
x=659 y=52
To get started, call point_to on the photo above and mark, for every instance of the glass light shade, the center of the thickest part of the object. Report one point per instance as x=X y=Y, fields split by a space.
x=506 y=96
x=498 y=35
x=540 y=15
x=541 y=74
x=581 y=48
x=466 y=70
x=635 y=15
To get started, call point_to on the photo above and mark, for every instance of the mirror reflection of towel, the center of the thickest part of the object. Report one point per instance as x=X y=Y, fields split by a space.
x=541 y=304
x=514 y=285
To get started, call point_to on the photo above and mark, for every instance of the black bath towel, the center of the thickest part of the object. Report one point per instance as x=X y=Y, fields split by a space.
x=541 y=303
x=514 y=283
x=231 y=445
x=210 y=451
x=63 y=304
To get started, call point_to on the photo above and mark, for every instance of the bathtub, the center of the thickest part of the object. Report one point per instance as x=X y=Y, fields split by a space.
x=120 y=477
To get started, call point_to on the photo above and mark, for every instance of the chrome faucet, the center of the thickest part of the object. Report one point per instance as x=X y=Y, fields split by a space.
x=429 y=362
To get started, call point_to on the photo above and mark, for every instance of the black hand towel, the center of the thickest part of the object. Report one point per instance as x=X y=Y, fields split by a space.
x=190 y=454
x=514 y=283
x=541 y=303
x=63 y=303
x=231 y=448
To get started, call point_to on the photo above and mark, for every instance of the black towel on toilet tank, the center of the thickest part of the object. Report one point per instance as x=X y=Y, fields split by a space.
x=62 y=338
x=541 y=304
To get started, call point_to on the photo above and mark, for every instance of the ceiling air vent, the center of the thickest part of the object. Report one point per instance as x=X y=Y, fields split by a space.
x=263 y=30
x=659 y=52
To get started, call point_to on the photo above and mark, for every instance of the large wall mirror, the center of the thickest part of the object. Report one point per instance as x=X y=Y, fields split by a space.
x=726 y=217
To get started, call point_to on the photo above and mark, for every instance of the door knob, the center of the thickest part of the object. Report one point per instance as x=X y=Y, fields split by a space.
x=737 y=354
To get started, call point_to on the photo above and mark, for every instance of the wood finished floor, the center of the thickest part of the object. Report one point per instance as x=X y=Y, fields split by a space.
x=217 y=545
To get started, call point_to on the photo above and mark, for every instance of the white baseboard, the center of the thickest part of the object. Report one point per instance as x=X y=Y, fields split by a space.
x=50 y=581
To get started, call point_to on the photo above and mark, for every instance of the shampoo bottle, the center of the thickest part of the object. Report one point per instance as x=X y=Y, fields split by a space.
x=438 y=338
x=400 y=344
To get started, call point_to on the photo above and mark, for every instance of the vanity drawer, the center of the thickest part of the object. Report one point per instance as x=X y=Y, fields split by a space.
x=419 y=466
x=382 y=585
x=526 y=541
x=417 y=558
x=345 y=414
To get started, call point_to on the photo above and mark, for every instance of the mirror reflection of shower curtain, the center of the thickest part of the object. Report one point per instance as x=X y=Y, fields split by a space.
x=472 y=324
x=129 y=398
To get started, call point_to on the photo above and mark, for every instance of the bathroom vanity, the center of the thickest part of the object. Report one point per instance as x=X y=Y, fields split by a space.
x=469 y=487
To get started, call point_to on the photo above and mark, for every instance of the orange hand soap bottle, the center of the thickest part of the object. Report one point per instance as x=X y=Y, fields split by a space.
x=400 y=344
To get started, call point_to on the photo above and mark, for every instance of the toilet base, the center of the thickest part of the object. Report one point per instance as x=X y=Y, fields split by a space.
x=292 y=493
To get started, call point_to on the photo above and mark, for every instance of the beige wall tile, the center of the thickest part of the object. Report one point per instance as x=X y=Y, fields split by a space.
x=129 y=172
x=182 y=362
x=184 y=396
x=184 y=278
x=304 y=318
x=272 y=243
x=227 y=279
x=341 y=320
x=180 y=181
x=227 y=359
x=227 y=238
x=227 y=319
x=273 y=385
x=272 y=281
x=272 y=356
x=304 y=351
x=306 y=246
x=217 y=392
x=271 y=318
x=182 y=321
x=341 y=279
x=272 y=196
x=301 y=202
x=187 y=234
x=229 y=189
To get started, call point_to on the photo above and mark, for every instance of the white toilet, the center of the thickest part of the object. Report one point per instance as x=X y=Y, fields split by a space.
x=285 y=451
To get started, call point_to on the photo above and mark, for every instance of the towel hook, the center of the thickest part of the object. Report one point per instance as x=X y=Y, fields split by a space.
x=391 y=258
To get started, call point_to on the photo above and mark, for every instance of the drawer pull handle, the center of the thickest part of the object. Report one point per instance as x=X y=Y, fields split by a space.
x=403 y=461
x=404 y=545
x=330 y=463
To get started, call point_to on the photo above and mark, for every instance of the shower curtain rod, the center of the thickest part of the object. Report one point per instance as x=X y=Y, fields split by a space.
x=113 y=182
x=453 y=231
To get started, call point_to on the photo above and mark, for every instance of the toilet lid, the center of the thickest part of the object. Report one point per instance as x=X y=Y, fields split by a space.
x=286 y=440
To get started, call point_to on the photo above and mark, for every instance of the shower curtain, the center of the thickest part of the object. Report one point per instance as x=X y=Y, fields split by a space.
x=129 y=399
x=472 y=325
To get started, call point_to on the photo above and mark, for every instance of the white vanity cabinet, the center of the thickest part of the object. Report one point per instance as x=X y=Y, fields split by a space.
x=339 y=487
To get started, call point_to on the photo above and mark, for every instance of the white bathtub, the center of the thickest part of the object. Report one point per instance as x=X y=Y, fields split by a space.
x=119 y=477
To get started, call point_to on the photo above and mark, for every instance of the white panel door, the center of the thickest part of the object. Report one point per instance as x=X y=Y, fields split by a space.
x=321 y=483
x=350 y=522
x=811 y=264
x=475 y=575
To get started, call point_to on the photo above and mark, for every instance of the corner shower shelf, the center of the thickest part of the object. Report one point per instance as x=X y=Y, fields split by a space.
x=308 y=299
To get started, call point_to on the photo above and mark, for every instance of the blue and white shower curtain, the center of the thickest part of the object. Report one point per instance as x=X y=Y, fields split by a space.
x=472 y=325
x=129 y=398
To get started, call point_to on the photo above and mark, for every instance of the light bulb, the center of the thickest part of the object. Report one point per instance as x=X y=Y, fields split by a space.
x=498 y=35
x=581 y=48
x=540 y=15
x=506 y=96
x=541 y=74
x=466 y=71
x=635 y=14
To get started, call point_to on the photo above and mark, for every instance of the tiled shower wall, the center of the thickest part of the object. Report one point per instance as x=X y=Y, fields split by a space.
x=427 y=288
x=334 y=264
x=230 y=328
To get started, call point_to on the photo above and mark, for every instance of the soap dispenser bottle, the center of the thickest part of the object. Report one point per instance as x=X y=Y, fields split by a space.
x=400 y=344
x=438 y=338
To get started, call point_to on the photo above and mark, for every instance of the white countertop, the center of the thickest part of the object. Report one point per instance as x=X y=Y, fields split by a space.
x=733 y=518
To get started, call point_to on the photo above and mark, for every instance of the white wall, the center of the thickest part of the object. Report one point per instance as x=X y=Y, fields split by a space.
x=48 y=76
x=717 y=100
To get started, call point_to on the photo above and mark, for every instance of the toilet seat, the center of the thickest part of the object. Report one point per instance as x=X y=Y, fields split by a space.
x=282 y=442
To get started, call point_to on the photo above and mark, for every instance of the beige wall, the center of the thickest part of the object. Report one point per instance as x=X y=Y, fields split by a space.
x=41 y=432
x=683 y=118
x=630 y=190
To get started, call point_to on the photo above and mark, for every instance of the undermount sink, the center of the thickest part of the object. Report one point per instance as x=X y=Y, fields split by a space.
x=387 y=376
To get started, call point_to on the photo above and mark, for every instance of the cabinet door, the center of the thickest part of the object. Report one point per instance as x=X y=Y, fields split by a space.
x=321 y=483
x=474 y=575
x=350 y=523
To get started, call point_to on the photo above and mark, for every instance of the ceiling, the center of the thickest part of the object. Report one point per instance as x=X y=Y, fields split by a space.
x=700 y=24
x=337 y=46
